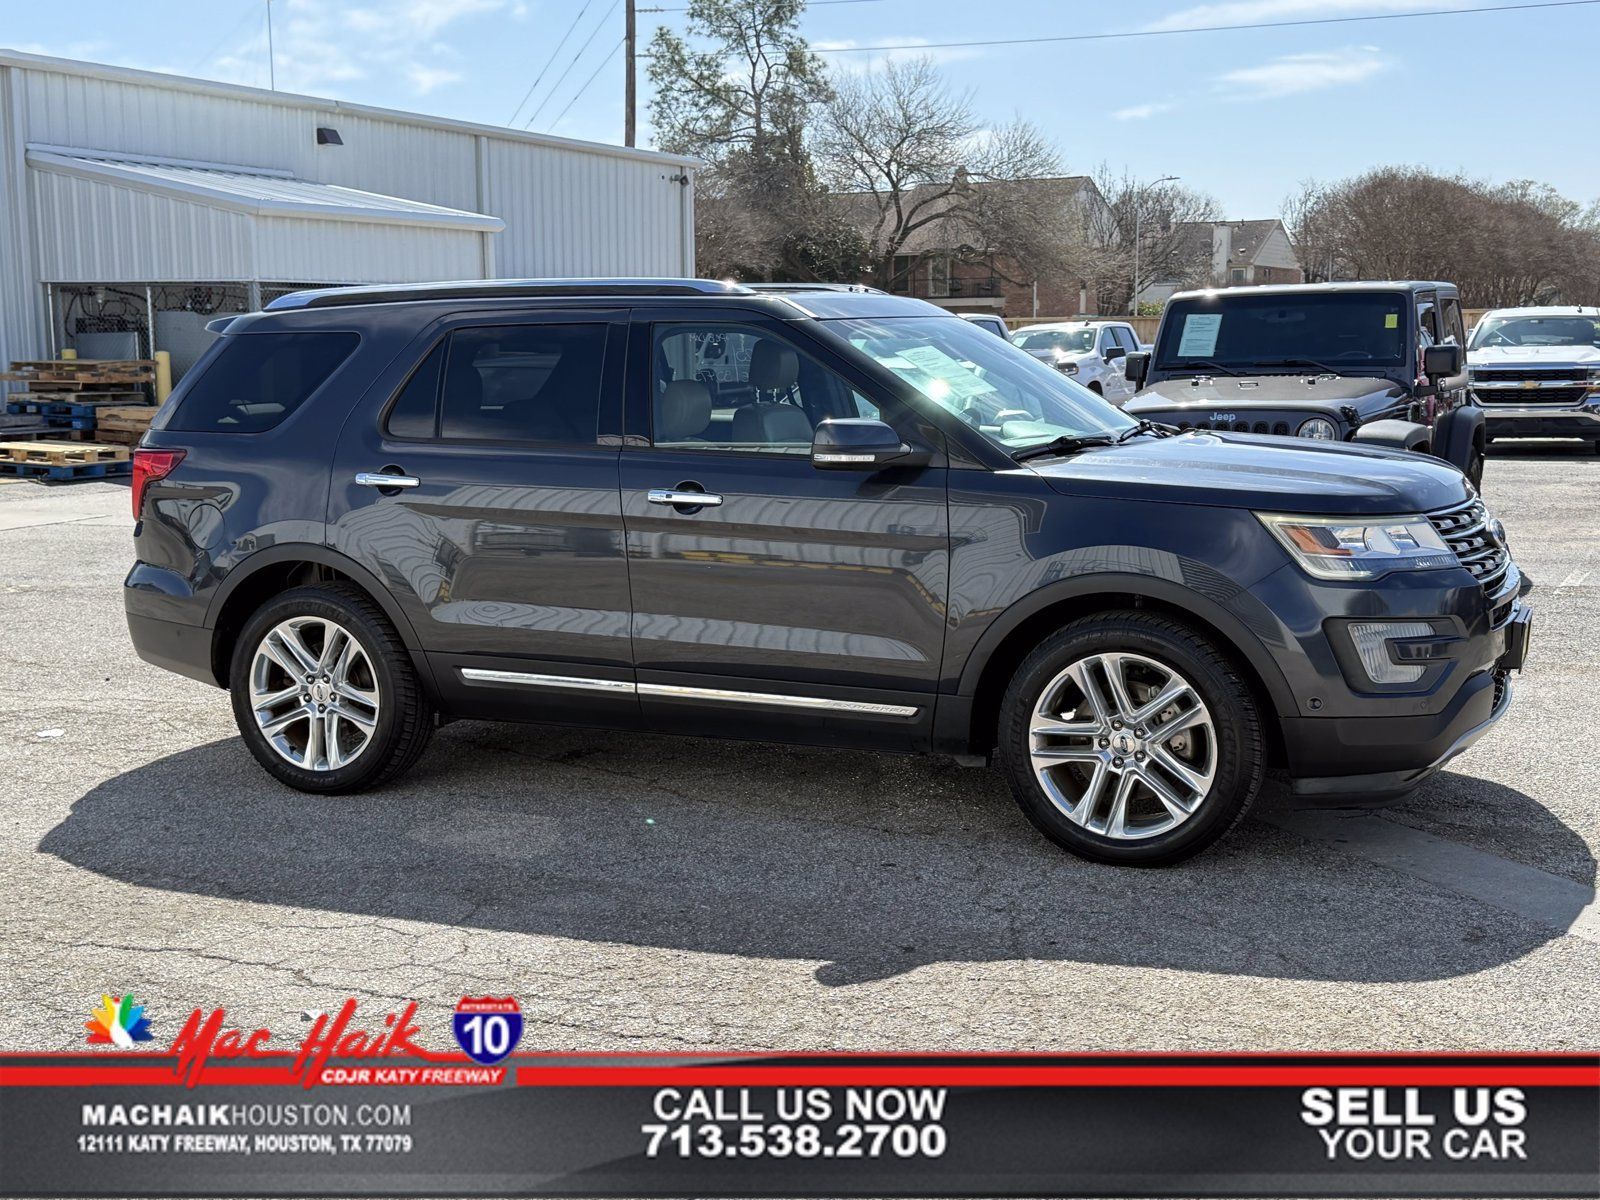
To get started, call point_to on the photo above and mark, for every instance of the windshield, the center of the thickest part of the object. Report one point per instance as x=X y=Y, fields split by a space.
x=1536 y=331
x=1073 y=341
x=1237 y=331
x=1011 y=398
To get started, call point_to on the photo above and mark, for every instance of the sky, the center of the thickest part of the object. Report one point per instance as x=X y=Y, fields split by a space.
x=1243 y=115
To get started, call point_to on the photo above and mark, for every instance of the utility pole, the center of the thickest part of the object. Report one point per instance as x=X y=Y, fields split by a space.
x=629 y=86
x=272 y=60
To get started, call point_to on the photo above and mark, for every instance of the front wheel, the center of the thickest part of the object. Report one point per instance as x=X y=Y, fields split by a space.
x=1128 y=738
x=1475 y=466
x=324 y=692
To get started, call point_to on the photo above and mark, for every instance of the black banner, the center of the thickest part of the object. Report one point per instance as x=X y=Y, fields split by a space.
x=133 y=1124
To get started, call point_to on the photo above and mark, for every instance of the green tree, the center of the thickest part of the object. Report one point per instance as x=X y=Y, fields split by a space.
x=737 y=92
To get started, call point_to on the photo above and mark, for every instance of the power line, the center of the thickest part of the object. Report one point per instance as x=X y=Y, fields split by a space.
x=588 y=81
x=250 y=11
x=809 y=4
x=556 y=86
x=534 y=85
x=1144 y=33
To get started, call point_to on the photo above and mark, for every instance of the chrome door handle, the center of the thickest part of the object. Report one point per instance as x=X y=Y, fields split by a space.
x=380 y=479
x=673 y=496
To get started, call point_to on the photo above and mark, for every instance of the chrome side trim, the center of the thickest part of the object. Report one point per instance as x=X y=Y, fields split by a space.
x=561 y=682
x=672 y=691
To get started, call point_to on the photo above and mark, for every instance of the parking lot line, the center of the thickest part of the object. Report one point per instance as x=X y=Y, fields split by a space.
x=1557 y=902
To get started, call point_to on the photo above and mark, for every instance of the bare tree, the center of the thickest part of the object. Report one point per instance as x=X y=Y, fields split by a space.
x=1172 y=226
x=907 y=155
x=1506 y=244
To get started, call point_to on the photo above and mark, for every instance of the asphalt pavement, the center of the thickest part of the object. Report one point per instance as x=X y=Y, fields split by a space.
x=647 y=892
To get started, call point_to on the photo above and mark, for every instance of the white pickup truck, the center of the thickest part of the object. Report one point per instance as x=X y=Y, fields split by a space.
x=1091 y=352
x=1536 y=372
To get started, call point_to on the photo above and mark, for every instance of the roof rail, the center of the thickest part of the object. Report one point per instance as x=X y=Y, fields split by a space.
x=859 y=288
x=488 y=289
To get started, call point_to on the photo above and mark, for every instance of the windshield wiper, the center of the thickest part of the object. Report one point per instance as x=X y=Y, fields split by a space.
x=1298 y=362
x=1146 y=427
x=1066 y=444
x=1204 y=363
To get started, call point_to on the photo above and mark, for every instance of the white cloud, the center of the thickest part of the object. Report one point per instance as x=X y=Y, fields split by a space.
x=1257 y=12
x=1294 y=74
x=1140 y=112
x=321 y=44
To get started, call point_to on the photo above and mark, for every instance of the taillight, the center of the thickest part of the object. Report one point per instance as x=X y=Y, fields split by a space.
x=148 y=467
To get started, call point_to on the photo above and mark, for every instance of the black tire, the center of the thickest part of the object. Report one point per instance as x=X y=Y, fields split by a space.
x=1239 y=746
x=1475 y=465
x=405 y=715
x=1097 y=389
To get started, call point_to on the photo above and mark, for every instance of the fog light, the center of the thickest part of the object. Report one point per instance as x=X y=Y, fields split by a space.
x=1372 y=640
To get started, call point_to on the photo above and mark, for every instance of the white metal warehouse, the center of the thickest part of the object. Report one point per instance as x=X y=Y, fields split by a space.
x=136 y=206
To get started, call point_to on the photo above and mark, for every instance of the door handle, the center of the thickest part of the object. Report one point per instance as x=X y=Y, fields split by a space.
x=381 y=479
x=675 y=496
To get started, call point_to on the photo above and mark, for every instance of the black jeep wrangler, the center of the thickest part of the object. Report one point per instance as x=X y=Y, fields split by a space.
x=1379 y=363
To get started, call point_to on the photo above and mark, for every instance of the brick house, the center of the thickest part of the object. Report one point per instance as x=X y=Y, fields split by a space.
x=939 y=263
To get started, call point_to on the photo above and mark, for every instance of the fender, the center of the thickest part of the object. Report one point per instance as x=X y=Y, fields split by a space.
x=1234 y=630
x=307 y=552
x=1457 y=432
x=1394 y=435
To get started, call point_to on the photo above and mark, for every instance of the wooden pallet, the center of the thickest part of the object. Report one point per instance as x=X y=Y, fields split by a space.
x=62 y=454
x=65 y=472
x=120 y=396
x=123 y=425
x=77 y=374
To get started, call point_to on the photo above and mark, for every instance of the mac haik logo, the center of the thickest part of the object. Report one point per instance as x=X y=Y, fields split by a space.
x=118 y=1022
x=207 y=1036
x=487 y=1027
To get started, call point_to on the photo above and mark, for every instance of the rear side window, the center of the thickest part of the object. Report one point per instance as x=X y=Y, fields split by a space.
x=532 y=383
x=416 y=410
x=258 y=379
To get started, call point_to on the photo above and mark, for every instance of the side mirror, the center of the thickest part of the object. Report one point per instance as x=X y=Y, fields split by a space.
x=860 y=444
x=1441 y=362
x=1137 y=367
x=1115 y=352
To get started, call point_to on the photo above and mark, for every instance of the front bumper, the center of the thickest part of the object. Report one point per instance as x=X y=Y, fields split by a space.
x=1502 y=421
x=1406 y=750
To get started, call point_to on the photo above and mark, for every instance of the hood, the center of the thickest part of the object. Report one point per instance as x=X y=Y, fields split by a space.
x=1231 y=393
x=1544 y=356
x=1241 y=470
x=1055 y=356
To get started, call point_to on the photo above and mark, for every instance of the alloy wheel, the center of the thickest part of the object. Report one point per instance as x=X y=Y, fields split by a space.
x=1123 y=745
x=314 y=693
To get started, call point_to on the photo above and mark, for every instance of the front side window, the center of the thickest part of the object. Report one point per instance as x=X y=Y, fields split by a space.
x=735 y=388
x=1012 y=398
x=1238 y=331
x=258 y=379
x=1536 y=331
x=523 y=383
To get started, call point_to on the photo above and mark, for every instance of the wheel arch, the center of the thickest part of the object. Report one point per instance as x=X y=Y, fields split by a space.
x=268 y=572
x=1026 y=623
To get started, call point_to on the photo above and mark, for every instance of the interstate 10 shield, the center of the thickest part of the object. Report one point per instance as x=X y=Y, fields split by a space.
x=487 y=1027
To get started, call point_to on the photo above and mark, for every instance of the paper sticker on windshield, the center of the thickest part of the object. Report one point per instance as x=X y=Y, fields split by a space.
x=1391 y=320
x=1199 y=338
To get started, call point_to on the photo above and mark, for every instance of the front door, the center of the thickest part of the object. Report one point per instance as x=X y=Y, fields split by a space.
x=792 y=602
x=502 y=536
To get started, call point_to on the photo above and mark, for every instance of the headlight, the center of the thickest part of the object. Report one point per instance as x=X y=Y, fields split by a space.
x=1342 y=548
x=1066 y=366
x=1319 y=428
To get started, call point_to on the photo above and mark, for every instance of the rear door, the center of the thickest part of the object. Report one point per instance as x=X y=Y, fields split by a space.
x=501 y=536
x=795 y=603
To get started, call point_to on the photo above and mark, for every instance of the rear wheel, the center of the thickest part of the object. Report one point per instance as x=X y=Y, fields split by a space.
x=1128 y=738
x=1475 y=465
x=324 y=692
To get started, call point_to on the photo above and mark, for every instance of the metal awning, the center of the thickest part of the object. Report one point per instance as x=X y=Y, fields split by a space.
x=256 y=191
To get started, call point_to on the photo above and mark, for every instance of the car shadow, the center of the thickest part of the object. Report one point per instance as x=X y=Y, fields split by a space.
x=869 y=865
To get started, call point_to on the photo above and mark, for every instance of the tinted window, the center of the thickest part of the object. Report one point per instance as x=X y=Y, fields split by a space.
x=258 y=379
x=416 y=409
x=1239 y=329
x=1125 y=337
x=723 y=387
x=522 y=383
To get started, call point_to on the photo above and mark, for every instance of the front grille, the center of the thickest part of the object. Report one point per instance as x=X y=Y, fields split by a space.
x=1280 y=428
x=1518 y=374
x=1523 y=398
x=1465 y=529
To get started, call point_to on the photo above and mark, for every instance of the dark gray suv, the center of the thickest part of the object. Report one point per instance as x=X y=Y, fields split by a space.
x=829 y=517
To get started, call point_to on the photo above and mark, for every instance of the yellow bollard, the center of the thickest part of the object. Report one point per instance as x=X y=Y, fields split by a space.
x=69 y=354
x=163 y=375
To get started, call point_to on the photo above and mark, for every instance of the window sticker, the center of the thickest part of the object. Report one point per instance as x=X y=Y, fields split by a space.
x=1391 y=320
x=1199 y=338
x=948 y=378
